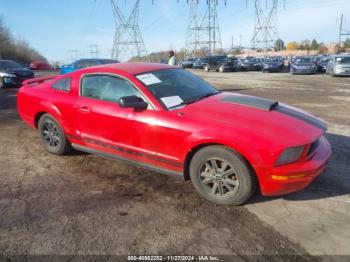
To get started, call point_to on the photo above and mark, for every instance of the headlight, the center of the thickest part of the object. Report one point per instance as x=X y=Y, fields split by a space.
x=2 y=74
x=290 y=155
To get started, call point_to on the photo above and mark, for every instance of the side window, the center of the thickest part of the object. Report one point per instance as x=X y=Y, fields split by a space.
x=85 y=63
x=62 y=84
x=107 y=88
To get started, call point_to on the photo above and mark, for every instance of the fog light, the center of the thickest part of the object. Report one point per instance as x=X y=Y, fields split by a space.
x=288 y=177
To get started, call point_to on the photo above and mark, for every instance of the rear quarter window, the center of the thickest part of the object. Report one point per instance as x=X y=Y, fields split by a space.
x=62 y=84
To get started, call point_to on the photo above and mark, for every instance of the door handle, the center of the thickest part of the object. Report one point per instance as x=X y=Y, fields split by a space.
x=84 y=109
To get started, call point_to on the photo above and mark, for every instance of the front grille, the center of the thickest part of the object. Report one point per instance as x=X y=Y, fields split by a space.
x=313 y=147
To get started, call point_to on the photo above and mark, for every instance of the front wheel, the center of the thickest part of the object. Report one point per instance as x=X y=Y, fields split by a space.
x=221 y=69
x=222 y=176
x=52 y=136
x=206 y=68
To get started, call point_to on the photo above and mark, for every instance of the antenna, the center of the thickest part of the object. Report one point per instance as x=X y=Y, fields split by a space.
x=265 y=30
x=203 y=32
x=128 y=40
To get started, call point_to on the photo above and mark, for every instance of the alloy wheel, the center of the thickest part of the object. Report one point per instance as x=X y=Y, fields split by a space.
x=218 y=178
x=50 y=134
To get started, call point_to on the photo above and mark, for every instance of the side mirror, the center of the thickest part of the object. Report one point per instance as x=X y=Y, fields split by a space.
x=133 y=102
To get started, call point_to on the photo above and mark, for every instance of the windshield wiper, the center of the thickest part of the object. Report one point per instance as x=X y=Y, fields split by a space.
x=195 y=99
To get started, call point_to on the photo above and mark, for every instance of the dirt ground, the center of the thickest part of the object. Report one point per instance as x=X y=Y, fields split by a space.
x=83 y=204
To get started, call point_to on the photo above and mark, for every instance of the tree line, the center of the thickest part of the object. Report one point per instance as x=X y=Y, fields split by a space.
x=17 y=49
x=308 y=45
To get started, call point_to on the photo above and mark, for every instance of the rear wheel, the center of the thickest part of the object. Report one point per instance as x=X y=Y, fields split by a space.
x=206 y=68
x=222 y=176
x=221 y=69
x=52 y=136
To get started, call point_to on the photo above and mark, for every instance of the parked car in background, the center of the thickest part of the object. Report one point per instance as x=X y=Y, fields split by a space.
x=199 y=63
x=40 y=66
x=339 y=65
x=250 y=64
x=272 y=64
x=166 y=119
x=187 y=63
x=84 y=63
x=322 y=64
x=221 y=64
x=303 y=65
x=13 y=74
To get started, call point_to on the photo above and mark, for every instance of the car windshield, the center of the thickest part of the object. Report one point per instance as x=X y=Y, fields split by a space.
x=343 y=60
x=273 y=59
x=303 y=60
x=251 y=60
x=9 y=65
x=176 y=87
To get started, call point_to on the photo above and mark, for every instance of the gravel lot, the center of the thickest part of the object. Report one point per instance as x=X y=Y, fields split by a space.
x=83 y=204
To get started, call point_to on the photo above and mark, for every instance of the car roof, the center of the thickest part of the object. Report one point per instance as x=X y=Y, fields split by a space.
x=136 y=68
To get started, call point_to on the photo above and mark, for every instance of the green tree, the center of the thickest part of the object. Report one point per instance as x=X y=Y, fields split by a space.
x=314 y=45
x=347 y=43
x=305 y=44
x=279 y=45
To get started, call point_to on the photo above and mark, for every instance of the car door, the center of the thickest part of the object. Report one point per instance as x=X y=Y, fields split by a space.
x=103 y=125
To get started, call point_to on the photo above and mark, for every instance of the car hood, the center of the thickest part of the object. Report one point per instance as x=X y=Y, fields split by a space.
x=21 y=72
x=261 y=117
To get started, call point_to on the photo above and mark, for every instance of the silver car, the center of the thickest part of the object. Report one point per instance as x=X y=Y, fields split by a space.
x=339 y=65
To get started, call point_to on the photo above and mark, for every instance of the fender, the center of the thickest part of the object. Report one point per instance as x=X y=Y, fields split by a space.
x=247 y=150
x=50 y=108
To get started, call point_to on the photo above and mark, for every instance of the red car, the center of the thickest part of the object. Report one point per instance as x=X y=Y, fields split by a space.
x=40 y=66
x=169 y=120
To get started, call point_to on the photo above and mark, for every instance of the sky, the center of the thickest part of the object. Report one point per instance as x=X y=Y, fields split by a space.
x=56 y=26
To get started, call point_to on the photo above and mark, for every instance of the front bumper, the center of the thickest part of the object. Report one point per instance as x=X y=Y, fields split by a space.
x=342 y=72
x=303 y=71
x=11 y=81
x=294 y=177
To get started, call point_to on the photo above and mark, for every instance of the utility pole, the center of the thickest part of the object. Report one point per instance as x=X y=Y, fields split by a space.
x=128 y=40
x=265 y=30
x=203 y=31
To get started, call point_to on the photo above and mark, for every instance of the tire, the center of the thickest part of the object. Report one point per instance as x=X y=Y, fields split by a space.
x=221 y=69
x=206 y=68
x=235 y=188
x=52 y=136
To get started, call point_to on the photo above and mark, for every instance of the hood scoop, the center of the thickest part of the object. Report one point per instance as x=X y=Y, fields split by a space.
x=256 y=102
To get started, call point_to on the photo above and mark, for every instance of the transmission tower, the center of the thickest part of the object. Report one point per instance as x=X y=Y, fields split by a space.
x=94 y=51
x=203 y=32
x=128 y=40
x=342 y=31
x=265 y=30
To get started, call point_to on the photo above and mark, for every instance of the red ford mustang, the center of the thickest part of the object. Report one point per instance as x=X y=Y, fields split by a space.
x=167 y=119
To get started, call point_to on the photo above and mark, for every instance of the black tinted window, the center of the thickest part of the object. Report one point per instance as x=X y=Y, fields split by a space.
x=62 y=84
x=108 y=88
